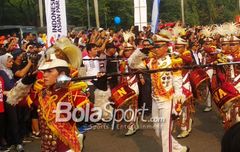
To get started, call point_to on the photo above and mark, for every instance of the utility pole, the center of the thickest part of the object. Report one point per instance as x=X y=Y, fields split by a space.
x=40 y=5
x=88 y=14
x=182 y=8
x=96 y=13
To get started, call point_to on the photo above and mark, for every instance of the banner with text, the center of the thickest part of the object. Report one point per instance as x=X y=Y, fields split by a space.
x=56 y=20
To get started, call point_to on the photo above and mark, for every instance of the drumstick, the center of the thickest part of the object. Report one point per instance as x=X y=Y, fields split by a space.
x=154 y=71
x=102 y=59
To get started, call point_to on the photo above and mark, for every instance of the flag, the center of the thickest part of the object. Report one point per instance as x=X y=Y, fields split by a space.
x=155 y=13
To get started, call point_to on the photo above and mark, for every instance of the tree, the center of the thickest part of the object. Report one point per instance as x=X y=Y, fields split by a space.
x=19 y=12
x=25 y=12
x=76 y=12
x=192 y=16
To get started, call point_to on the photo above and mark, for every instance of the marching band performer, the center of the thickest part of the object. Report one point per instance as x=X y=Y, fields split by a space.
x=185 y=58
x=132 y=82
x=166 y=89
x=209 y=50
x=227 y=74
x=55 y=136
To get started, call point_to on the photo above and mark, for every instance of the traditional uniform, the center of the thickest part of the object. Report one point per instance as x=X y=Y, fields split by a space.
x=227 y=76
x=209 y=56
x=184 y=57
x=132 y=82
x=166 y=91
x=55 y=136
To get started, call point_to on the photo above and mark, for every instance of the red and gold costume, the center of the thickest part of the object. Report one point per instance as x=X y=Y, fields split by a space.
x=187 y=107
x=55 y=136
x=166 y=91
x=225 y=91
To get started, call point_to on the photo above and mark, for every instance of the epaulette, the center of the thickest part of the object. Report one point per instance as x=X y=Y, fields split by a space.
x=74 y=73
x=177 y=61
x=221 y=58
x=38 y=85
x=78 y=86
x=186 y=52
x=187 y=57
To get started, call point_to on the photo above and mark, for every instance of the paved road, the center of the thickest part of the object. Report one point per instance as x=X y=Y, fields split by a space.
x=206 y=136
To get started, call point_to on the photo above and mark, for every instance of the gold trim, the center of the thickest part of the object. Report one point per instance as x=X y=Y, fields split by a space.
x=122 y=104
x=228 y=102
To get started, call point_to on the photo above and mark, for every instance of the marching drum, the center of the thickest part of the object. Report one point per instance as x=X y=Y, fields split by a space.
x=123 y=95
x=198 y=77
x=225 y=96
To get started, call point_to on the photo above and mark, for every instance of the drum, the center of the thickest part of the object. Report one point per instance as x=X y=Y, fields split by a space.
x=225 y=96
x=123 y=95
x=198 y=77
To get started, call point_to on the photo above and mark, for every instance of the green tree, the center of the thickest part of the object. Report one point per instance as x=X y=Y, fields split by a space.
x=76 y=12
x=25 y=12
x=19 y=12
x=170 y=10
x=191 y=13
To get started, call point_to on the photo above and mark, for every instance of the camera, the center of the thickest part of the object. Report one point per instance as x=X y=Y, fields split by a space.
x=34 y=57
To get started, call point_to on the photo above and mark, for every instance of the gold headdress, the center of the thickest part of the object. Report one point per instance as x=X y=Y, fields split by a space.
x=208 y=33
x=127 y=35
x=177 y=32
x=165 y=34
x=160 y=38
x=232 y=32
x=64 y=49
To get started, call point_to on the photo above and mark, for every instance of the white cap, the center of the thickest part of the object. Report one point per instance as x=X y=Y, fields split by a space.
x=54 y=63
x=100 y=29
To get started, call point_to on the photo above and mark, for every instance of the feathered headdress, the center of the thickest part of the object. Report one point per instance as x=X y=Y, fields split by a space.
x=178 y=31
x=127 y=36
x=64 y=49
x=206 y=31
x=165 y=34
x=181 y=41
x=228 y=31
x=160 y=38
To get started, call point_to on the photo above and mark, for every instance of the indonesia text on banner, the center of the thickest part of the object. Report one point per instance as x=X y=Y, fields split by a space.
x=155 y=13
x=56 y=20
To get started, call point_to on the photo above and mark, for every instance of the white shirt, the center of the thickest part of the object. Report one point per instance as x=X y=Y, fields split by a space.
x=197 y=57
x=92 y=67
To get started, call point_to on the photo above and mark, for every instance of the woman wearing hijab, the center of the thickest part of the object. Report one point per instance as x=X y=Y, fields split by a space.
x=6 y=62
